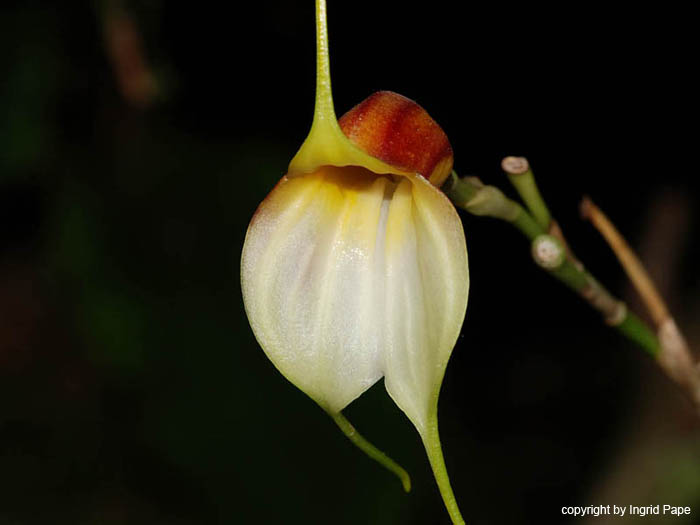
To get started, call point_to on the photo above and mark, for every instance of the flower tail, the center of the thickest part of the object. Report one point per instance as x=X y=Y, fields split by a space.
x=433 y=447
x=372 y=451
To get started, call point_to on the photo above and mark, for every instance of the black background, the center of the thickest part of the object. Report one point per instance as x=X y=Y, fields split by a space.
x=131 y=387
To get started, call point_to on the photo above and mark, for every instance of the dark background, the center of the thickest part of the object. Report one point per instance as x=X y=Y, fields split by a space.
x=131 y=387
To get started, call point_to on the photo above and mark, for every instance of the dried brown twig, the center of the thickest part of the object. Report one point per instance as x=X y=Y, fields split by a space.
x=675 y=357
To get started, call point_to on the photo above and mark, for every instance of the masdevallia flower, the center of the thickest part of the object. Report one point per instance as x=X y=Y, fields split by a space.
x=354 y=267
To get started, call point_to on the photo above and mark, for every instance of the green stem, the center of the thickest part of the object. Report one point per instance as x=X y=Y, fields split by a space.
x=372 y=451
x=431 y=441
x=635 y=329
x=464 y=193
x=631 y=326
x=526 y=187
x=324 y=95
x=526 y=224
x=459 y=191
x=572 y=276
x=479 y=199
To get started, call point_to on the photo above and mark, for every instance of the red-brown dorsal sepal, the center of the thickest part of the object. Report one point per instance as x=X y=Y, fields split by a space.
x=398 y=131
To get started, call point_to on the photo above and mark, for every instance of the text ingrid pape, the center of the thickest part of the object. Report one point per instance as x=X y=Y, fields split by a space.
x=626 y=510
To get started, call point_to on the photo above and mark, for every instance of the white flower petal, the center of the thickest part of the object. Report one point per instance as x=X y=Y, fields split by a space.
x=348 y=276
x=427 y=289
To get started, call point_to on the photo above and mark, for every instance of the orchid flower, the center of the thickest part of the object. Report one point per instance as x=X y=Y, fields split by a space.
x=355 y=268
